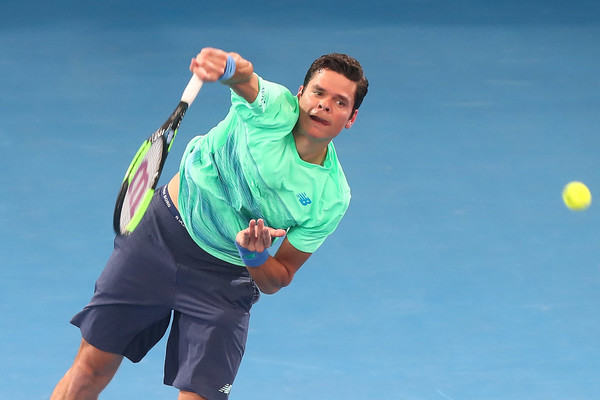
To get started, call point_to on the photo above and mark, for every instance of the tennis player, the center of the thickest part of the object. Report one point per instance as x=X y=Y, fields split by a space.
x=199 y=256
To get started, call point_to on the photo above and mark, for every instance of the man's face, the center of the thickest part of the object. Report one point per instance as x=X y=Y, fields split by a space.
x=326 y=105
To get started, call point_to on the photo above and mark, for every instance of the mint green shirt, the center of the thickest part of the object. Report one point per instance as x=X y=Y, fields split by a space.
x=247 y=167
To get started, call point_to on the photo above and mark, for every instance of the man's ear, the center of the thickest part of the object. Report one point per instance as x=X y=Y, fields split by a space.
x=351 y=120
x=300 y=91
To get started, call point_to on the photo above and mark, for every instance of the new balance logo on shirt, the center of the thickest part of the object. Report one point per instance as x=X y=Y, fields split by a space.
x=304 y=199
x=225 y=389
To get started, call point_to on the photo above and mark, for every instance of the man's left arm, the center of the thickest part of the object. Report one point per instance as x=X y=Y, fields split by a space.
x=278 y=271
x=274 y=272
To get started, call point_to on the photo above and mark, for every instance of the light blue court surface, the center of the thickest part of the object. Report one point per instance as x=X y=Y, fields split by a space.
x=458 y=274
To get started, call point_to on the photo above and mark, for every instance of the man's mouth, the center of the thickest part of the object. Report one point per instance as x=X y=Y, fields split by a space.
x=319 y=120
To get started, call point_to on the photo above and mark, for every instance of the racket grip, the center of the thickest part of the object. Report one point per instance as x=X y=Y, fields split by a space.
x=191 y=90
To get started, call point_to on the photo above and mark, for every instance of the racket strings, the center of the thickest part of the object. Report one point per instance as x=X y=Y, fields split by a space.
x=142 y=179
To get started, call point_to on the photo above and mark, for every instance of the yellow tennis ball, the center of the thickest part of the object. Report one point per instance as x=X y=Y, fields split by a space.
x=577 y=196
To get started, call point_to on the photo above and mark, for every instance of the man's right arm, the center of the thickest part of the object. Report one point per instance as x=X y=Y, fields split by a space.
x=209 y=66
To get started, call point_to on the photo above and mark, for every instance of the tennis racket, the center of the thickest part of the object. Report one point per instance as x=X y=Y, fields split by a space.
x=142 y=175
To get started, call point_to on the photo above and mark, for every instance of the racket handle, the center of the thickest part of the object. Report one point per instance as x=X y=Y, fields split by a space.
x=191 y=90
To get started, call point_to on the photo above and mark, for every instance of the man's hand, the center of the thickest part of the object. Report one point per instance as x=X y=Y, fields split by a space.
x=258 y=237
x=210 y=64
x=270 y=273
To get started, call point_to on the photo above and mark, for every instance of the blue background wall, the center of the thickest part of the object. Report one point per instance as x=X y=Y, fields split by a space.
x=457 y=274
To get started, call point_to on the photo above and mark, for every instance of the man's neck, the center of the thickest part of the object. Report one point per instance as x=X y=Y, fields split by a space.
x=310 y=151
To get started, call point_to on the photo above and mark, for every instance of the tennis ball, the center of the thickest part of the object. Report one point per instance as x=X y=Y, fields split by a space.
x=577 y=196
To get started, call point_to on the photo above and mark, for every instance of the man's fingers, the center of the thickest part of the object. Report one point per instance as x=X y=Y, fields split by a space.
x=258 y=237
x=245 y=240
x=266 y=239
x=277 y=232
x=252 y=228
x=209 y=64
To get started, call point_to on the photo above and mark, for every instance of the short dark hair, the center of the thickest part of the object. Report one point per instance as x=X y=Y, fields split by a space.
x=345 y=65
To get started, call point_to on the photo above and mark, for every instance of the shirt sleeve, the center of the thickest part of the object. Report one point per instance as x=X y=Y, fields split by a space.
x=309 y=237
x=274 y=107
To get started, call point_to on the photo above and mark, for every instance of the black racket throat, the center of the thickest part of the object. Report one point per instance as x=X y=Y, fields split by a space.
x=172 y=124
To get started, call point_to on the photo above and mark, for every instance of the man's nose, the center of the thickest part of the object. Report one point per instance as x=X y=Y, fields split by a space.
x=324 y=105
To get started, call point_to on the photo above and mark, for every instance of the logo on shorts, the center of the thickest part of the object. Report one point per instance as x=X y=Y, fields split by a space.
x=225 y=389
x=304 y=199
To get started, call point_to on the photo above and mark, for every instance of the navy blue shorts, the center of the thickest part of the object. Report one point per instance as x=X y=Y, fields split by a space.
x=158 y=271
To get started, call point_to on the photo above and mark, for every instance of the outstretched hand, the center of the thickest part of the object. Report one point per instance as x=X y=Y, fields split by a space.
x=258 y=237
x=210 y=64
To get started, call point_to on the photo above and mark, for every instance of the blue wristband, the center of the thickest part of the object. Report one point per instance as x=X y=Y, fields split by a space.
x=252 y=258
x=229 y=69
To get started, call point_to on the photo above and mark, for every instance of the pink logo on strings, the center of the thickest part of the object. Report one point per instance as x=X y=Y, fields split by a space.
x=138 y=187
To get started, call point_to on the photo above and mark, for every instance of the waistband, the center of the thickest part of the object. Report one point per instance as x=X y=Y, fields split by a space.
x=164 y=194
